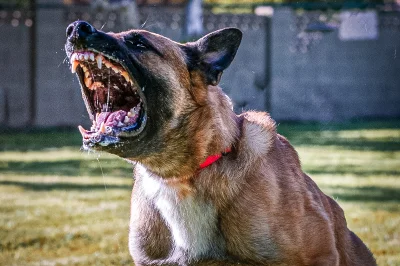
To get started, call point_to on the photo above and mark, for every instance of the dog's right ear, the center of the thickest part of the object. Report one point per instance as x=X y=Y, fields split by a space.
x=214 y=52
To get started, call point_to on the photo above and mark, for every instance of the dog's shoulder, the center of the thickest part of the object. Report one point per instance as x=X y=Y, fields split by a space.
x=258 y=132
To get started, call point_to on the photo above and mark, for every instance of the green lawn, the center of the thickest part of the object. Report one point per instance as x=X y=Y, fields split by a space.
x=61 y=206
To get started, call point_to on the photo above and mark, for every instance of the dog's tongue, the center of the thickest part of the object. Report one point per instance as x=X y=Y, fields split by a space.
x=102 y=117
x=111 y=118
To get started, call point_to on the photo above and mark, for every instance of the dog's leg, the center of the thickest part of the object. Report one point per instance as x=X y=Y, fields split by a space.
x=149 y=237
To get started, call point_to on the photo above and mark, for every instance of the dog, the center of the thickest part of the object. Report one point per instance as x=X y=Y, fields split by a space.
x=211 y=187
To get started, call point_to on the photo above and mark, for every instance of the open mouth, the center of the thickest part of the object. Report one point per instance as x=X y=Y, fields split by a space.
x=113 y=99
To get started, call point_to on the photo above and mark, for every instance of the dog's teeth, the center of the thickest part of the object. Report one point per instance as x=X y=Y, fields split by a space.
x=82 y=130
x=86 y=56
x=99 y=60
x=73 y=58
x=130 y=114
x=125 y=75
x=88 y=82
x=120 y=124
x=126 y=119
x=102 y=128
x=91 y=56
x=108 y=64
x=81 y=57
x=95 y=85
x=74 y=66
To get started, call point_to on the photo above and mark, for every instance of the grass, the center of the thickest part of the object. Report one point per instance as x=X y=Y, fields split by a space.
x=60 y=206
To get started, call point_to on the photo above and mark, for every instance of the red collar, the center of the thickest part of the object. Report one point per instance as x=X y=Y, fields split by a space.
x=213 y=158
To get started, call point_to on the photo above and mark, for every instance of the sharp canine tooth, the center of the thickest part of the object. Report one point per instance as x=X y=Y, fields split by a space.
x=88 y=82
x=72 y=59
x=102 y=128
x=126 y=119
x=125 y=75
x=92 y=56
x=99 y=60
x=74 y=66
x=82 y=130
x=108 y=64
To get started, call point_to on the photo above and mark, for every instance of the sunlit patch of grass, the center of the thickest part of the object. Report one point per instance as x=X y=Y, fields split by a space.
x=64 y=221
x=61 y=206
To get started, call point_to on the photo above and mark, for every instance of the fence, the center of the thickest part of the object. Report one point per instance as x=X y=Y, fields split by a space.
x=316 y=77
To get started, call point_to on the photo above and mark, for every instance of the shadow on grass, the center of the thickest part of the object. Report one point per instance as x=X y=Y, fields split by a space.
x=315 y=135
x=364 y=194
x=349 y=144
x=76 y=167
x=63 y=186
x=360 y=171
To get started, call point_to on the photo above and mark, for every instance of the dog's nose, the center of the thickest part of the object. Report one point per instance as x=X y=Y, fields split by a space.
x=79 y=31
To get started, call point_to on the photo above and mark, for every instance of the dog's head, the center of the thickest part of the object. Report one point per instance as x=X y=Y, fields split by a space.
x=138 y=86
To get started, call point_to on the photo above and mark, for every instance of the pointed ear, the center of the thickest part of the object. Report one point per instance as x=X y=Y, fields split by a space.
x=216 y=52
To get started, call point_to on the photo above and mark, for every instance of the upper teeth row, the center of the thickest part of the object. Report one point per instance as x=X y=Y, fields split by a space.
x=84 y=56
x=78 y=57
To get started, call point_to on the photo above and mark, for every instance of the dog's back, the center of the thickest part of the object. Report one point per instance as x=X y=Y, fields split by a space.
x=254 y=206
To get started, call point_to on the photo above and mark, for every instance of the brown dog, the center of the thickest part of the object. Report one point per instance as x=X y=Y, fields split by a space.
x=212 y=188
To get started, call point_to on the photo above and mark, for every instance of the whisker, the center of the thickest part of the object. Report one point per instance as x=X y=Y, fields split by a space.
x=144 y=23
x=63 y=61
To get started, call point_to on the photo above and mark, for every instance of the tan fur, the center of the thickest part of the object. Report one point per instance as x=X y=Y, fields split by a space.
x=269 y=211
x=254 y=206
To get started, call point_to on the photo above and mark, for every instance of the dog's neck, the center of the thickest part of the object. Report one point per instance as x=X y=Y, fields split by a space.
x=212 y=128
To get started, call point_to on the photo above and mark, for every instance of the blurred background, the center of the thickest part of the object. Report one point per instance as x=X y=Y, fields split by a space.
x=327 y=71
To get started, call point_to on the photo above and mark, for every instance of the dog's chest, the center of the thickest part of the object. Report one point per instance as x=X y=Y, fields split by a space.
x=192 y=221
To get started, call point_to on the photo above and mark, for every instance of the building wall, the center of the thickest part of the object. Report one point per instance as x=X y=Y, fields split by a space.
x=333 y=80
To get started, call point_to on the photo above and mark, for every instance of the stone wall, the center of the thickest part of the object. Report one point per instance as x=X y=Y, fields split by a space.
x=332 y=80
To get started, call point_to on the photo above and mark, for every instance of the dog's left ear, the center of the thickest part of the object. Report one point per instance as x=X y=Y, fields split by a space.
x=215 y=52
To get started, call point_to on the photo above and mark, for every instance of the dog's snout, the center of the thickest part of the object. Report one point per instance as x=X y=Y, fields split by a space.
x=79 y=31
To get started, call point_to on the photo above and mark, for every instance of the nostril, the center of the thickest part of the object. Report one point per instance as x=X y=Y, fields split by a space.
x=79 y=31
x=86 y=28
x=69 y=30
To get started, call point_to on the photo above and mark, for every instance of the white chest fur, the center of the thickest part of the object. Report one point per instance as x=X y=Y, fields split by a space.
x=192 y=221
